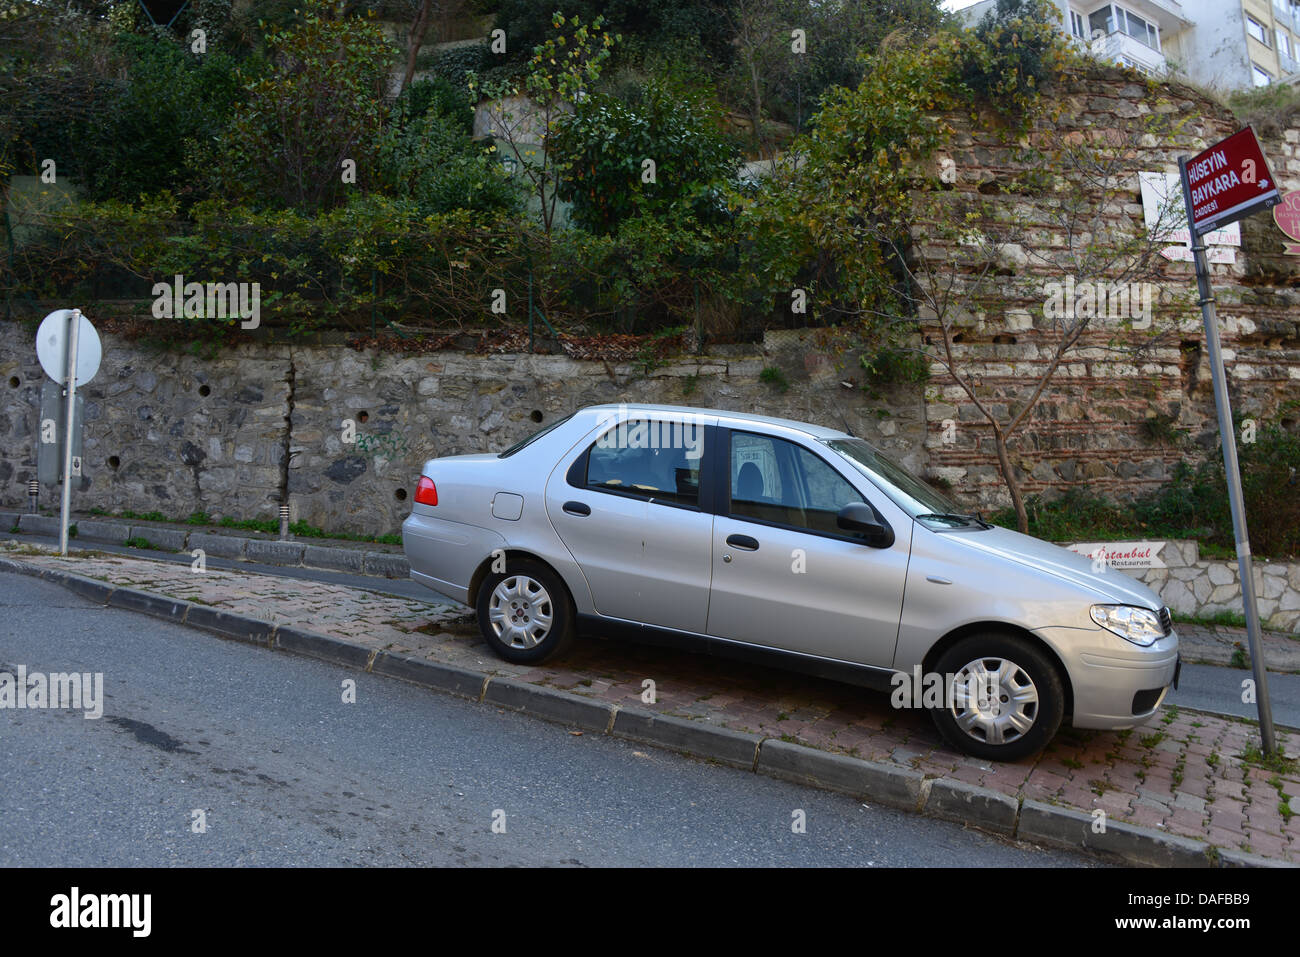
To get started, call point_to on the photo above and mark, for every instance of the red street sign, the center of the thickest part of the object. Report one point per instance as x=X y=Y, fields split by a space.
x=1228 y=181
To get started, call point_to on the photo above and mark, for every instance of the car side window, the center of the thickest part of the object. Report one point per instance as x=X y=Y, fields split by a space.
x=656 y=460
x=777 y=481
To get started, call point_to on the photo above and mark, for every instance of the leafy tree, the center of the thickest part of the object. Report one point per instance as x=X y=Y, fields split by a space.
x=319 y=109
x=1017 y=47
x=525 y=113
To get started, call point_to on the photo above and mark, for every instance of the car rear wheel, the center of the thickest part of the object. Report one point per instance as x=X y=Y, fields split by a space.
x=1007 y=698
x=525 y=613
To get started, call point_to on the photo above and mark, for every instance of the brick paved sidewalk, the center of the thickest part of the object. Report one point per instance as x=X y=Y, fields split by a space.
x=1185 y=773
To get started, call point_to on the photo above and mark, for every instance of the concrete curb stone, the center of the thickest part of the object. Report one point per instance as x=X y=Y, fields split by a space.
x=971 y=805
x=735 y=748
x=552 y=704
x=165 y=539
x=1231 y=857
x=253 y=631
x=386 y=564
x=430 y=674
x=92 y=589
x=322 y=647
x=222 y=546
x=1141 y=845
x=38 y=524
x=94 y=531
x=159 y=606
x=338 y=559
x=273 y=553
x=883 y=784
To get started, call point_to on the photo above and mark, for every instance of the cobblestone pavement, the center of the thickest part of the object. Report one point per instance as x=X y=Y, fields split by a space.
x=1187 y=773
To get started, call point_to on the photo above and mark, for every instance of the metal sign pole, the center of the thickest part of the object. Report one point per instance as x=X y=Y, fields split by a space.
x=75 y=324
x=1228 y=439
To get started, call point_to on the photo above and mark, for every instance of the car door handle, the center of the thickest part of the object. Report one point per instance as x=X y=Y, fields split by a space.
x=743 y=541
x=577 y=508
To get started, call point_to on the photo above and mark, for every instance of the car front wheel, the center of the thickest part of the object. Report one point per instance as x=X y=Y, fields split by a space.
x=1007 y=699
x=524 y=613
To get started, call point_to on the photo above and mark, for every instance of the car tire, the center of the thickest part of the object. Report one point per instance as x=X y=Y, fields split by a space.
x=525 y=614
x=1030 y=697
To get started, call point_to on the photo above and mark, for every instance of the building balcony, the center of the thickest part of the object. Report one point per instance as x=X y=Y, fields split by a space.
x=1122 y=48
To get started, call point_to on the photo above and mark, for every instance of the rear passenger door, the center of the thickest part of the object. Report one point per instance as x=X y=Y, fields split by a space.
x=632 y=509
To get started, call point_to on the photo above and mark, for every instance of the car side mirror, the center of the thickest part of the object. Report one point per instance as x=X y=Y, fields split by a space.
x=860 y=517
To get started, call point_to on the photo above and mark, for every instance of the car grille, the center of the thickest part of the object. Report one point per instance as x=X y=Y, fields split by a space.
x=1166 y=621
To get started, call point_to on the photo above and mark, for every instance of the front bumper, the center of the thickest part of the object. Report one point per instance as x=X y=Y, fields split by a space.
x=1116 y=684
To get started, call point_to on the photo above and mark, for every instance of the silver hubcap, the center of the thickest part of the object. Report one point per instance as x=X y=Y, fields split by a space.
x=995 y=701
x=520 y=612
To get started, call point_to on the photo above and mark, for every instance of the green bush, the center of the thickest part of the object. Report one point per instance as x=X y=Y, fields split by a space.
x=453 y=65
x=430 y=157
x=603 y=145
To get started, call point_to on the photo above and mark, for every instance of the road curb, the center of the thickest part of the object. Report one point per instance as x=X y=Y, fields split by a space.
x=1231 y=857
x=942 y=798
x=292 y=552
x=92 y=589
x=1066 y=827
x=971 y=805
x=220 y=546
x=736 y=748
x=551 y=704
x=252 y=631
x=159 y=606
x=430 y=674
x=321 y=647
x=880 y=783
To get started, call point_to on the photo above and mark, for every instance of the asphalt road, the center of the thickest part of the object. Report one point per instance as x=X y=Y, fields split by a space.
x=1212 y=688
x=286 y=773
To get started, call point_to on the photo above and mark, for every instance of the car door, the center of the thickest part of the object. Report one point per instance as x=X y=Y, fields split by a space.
x=632 y=509
x=784 y=576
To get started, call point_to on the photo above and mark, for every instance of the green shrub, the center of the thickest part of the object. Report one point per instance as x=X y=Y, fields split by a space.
x=604 y=144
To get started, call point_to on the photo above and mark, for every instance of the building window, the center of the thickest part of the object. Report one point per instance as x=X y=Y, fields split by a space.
x=1283 y=43
x=1101 y=21
x=1139 y=29
x=1256 y=30
x=1262 y=76
x=1076 y=25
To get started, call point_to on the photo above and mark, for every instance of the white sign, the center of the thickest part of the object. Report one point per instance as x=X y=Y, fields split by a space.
x=1166 y=219
x=52 y=347
x=1122 y=554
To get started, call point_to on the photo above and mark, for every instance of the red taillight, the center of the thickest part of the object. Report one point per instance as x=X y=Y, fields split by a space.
x=426 y=493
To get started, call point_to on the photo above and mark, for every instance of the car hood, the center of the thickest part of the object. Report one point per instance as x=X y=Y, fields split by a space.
x=1110 y=584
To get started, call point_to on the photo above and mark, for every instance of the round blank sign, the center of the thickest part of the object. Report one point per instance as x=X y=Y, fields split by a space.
x=51 y=347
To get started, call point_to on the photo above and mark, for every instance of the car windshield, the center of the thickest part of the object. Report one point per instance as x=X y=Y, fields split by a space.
x=923 y=502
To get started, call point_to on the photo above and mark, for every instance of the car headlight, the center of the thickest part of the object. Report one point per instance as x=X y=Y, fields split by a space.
x=1138 y=625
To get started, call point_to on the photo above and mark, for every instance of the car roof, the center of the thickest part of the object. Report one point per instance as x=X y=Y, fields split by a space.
x=737 y=419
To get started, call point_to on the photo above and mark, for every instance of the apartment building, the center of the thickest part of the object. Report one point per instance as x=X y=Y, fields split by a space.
x=1223 y=44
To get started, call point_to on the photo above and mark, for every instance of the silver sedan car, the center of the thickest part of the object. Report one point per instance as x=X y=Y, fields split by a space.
x=789 y=544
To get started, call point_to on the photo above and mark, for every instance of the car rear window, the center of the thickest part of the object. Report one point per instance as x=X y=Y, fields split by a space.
x=534 y=437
